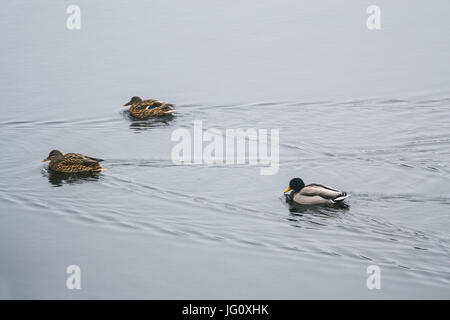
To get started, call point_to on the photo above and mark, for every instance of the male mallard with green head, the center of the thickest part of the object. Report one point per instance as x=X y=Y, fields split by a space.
x=73 y=163
x=313 y=193
x=143 y=109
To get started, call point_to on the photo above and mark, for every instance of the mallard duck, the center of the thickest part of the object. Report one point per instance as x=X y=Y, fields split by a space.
x=73 y=163
x=143 y=109
x=313 y=193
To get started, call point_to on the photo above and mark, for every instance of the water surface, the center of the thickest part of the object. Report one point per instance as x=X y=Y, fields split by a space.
x=364 y=111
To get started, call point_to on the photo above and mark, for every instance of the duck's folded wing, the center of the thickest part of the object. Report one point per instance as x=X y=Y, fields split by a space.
x=163 y=109
x=95 y=159
x=148 y=104
x=167 y=106
x=324 y=186
x=304 y=199
x=163 y=105
x=80 y=159
x=155 y=103
x=73 y=157
x=88 y=161
x=320 y=190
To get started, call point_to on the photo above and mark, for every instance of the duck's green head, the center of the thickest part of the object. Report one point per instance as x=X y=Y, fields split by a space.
x=134 y=100
x=295 y=184
x=53 y=155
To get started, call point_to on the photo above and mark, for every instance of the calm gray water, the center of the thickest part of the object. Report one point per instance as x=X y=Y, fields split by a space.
x=364 y=111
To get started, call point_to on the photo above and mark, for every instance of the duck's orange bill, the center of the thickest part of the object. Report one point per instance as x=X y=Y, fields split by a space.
x=288 y=189
x=46 y=159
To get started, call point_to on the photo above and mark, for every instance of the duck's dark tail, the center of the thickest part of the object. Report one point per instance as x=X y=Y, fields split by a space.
x=341 y=197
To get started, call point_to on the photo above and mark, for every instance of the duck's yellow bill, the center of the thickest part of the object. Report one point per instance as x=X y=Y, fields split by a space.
x=288 y=189
x=44 y=160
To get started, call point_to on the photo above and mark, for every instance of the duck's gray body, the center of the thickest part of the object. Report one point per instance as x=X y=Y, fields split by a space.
x=317 y=194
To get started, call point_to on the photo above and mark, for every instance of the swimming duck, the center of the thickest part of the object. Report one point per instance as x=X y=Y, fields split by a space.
x=143 y=109
x=313 y=193
x=73 y=163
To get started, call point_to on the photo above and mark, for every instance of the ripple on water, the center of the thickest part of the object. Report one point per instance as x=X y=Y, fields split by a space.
x=370 y=148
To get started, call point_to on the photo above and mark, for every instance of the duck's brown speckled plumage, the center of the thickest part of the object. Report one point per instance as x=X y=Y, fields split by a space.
x=143 y=109
x=73 y=163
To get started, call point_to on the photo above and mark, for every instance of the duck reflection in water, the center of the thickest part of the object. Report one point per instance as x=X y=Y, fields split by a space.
x=328 y=209
x=315 y=216
x=58 y=179
x=148 y=124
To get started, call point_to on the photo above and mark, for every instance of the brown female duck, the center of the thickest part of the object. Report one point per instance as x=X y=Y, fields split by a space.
x=143 y=109
x=73 y=163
